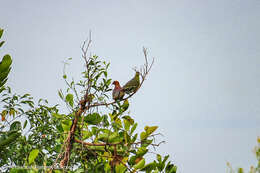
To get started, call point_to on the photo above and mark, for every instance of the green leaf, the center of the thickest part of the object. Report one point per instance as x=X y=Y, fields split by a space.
x=240 y=170
x=103 y=137
x=58 y=171
x=141 y=151
x=127 y=138
x=93 y=118
x=139 y=165
x=95 y=130
x=118 y=123
x=12 y=112
x=107 y=168
x=114 y=138
x=133 y=128
x=132 y=160
x=161 y=164
x=143 y=136
x=12 y=137
x=131 y=121
x=1 y=32
x=5 y=63
x=3 y=81
x=64 y=76
x=149 y=167
x=97 y=148
x=66 y=124
x=1 y=88
x=105 y=120
x=16 y=125
x=125 y=105
x=150 y=130
x=170 y=168
x=32 y=156
x=69 y=99
x=126 y=125
x=25 y=95
x=165 y=158
x=110 y=137
x=159 y=158
x=134 y=138
x=21 y=170
x=25 y=124
x=146 y=142
x=80 y=170
x=61 y=94
x=105 y=73
x=86 y=134
x=5 y=67
x=58 y=116
x=1 y=43
x=4 y=113
x=120 y=168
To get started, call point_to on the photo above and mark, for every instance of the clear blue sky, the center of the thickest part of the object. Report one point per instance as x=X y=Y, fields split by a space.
x=203 y=91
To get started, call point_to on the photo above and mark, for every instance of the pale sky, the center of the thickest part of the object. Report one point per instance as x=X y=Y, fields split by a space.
x=203 y=90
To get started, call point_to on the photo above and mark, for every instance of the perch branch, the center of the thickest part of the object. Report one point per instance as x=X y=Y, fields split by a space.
x=144 y=70
x=85 y=101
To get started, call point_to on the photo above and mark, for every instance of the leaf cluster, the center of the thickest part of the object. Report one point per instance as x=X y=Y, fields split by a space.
x=95 y=134
x=5 y=65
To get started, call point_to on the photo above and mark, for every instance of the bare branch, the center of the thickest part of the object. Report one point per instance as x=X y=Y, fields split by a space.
x=144 y=70
x=85 y=104
x=96 y=144
x=84 y=49
x=157 y=145
x=105 y=144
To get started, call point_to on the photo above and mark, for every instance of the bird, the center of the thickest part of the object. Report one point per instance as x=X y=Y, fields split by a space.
x=132 y=85
x=118 y=92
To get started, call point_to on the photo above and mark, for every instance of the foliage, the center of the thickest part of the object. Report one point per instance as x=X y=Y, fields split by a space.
x=39 y=134
x=5 y=65
x=96 y=134
x=252 y=168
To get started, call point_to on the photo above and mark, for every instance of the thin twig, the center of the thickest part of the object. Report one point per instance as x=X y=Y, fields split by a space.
x=96 y=144
x=144 y=72
x=85 y=105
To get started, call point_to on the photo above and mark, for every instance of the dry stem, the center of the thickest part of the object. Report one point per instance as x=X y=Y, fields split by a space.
x=85 y=105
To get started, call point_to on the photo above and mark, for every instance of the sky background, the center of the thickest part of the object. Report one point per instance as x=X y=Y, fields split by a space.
x=203 y=90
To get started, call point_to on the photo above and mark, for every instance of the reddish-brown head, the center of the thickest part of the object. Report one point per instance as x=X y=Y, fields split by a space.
x=116 y=83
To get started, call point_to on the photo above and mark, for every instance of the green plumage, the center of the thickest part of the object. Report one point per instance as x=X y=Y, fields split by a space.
x=132 y=85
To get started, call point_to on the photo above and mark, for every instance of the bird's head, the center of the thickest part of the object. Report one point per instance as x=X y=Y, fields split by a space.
x=137 y=74
x=116 y=83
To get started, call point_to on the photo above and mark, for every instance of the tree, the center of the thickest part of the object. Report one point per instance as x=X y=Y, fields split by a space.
x=96 y=135
x=17 y=143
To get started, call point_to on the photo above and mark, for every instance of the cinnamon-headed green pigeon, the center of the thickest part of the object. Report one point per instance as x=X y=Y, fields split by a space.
x=132 y=85
x=118 y=92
